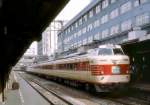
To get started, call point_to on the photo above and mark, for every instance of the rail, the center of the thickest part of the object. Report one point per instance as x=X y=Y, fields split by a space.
x=52 y=97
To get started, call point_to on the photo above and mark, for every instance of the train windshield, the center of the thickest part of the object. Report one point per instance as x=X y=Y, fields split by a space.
x=105 y=51
x=110 y=51
x=118 y=51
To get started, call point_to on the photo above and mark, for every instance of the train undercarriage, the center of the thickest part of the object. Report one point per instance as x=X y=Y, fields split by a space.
x=83 y=85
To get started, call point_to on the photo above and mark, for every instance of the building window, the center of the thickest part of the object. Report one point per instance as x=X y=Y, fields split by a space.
x=72 y=27
x=126 y=25
x=136 y=3
x=142 y=19
x=112 y=1
x=71 y=37
x=80 y=42
x=89 y=28
x=90 y=39
x=91 y=13
x=105 y=33
x=76 y=24
x=126 y=7
x=79 y=33
x=84 y=41
x=68 y=39
x=98 y=9
x=96 y=36
x=114 y=30
x=114 y=13
x=75 y=35
x=100 y=35
x=85 y=17
x=143 y=1
x=75 y=44
x=68 y=29
x=96 y=23
x=80 y=21
x=66 y=32
x=72 y=45
x=104 y=19
x=84 y=30
x=65 y=40
x=105 y=3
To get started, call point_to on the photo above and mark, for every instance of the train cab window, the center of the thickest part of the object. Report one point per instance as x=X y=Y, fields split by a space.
x=105 y=51
x=118 y=51
x=92 y=51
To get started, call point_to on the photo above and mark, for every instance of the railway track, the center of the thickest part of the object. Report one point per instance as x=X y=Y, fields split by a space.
x=52 y=97
x=133 y=97
x=130 y=101
x=77 y=99
x=62 y=99
x=143 y=91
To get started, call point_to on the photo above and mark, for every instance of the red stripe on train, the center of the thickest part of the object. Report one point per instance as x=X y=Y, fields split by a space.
x=107 y=69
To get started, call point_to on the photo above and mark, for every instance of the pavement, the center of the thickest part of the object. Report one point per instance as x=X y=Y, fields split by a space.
x=25 y=95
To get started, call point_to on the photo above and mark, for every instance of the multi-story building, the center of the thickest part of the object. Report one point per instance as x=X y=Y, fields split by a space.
x=104 y=21
x=48 y=44
x=46 y=41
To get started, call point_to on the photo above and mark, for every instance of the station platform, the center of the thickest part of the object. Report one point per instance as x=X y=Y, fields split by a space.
x=12 y=97
x=142 y=86
x=24 y=95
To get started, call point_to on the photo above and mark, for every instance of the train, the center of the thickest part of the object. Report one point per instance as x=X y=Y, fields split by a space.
x=103 y=69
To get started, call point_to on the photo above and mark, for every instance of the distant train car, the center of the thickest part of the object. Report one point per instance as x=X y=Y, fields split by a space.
x=103 y=68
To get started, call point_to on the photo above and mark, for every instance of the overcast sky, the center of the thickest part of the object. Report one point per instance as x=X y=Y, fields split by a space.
x=72 y=9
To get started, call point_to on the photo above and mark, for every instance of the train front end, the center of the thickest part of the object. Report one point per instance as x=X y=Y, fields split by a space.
x=110 y=67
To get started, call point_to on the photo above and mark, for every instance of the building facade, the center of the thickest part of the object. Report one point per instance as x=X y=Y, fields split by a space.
x=105 y=21
x=48 y=45
x=39 y=48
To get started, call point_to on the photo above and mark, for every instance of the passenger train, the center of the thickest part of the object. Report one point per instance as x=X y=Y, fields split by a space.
x=105 y=68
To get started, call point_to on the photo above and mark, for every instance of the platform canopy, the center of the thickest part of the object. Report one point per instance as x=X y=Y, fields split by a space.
x=21 y=23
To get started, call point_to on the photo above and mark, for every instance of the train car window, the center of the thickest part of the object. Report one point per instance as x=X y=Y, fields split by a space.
x=71 y=66
x=105 y=51
x=118 y=51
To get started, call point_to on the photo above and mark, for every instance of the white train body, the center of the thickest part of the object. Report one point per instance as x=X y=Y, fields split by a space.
x=105 y=65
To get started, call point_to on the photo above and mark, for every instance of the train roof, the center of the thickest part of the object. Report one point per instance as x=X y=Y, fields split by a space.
x=77 y=56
